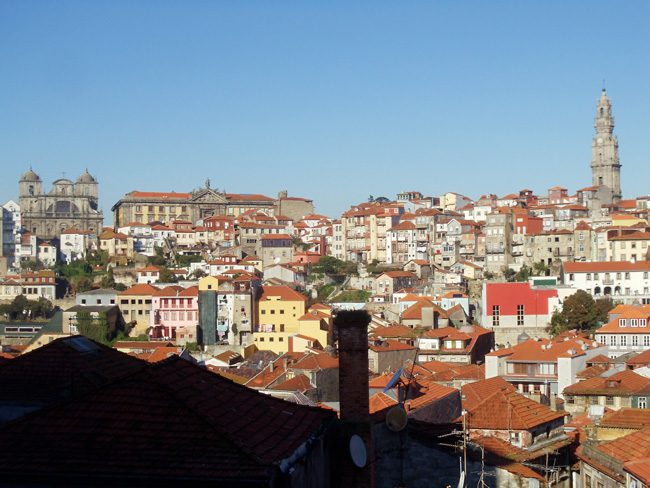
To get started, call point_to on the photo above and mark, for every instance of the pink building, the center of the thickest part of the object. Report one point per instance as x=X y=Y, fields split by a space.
x=175 y=314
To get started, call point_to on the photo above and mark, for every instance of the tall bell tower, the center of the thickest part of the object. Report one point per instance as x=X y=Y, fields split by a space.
x=605 y=165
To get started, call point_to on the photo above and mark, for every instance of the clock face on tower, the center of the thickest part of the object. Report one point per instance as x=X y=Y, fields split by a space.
x=600 y=140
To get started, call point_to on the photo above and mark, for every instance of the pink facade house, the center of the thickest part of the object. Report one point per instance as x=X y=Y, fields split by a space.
x=175 y=314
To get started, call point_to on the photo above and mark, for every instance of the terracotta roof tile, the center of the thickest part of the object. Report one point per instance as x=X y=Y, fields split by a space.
x=605 y=266
x=143 y=289
x=284 y=292
x=506 y=409
x=624 y=383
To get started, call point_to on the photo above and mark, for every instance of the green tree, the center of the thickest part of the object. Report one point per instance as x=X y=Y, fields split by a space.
x=580 y=311
x=508 y=273
x=108 y=280
x=96 y=329
x=167 y=276
x=540 y=269
x=523 y=274
x=31 y=264
x=82 y=283
x=199 y=273
x=159 y=258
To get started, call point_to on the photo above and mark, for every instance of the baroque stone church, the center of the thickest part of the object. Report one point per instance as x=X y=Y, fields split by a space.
x=67 y=205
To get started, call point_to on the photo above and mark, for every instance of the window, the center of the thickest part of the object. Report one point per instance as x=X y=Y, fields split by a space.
x=588 y=276
x=495 y=315
x=520 y=315
x=596 y=276
x=634 y=322
x=646 y=341
x=642 y=403
x=612 y=340
x=609 y=400
x=587 y=481
x=643 y=322
x=593 y=400
x=627 y=276
x=622 y=322
x=570 y=399
x=635 y=340
x=623 y=340
x=571 y=276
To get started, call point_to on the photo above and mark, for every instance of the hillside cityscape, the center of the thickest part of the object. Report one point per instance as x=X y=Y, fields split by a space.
x=245 y=339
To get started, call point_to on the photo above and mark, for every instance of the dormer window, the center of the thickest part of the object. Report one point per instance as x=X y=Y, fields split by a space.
x=634 y=322
x=643 y=322
x=622 y=322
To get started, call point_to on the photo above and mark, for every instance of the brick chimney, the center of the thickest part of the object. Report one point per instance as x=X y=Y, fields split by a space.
x=352 y=328
x=353 y=365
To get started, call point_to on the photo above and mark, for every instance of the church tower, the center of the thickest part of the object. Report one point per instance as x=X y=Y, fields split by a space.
x=605 y=166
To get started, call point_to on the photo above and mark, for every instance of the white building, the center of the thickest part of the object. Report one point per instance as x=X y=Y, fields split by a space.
x=622 y=280
x=74 y=244
x=10 y=231
x=627 y=331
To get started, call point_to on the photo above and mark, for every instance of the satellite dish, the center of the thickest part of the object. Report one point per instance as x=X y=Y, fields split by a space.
x=396 y=418
x=358 y=451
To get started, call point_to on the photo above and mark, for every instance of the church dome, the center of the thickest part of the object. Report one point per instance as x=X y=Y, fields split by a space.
x=30 y=176
x=86 y=177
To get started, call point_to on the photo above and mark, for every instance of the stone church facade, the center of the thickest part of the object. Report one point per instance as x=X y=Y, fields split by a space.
x=67 y=205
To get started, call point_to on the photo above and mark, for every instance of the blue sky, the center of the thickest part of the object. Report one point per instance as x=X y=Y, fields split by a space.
x=330 y=100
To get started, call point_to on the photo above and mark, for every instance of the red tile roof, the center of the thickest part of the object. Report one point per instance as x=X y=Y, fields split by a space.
x=284 y=292
x=143 y=289
x=630 y=418
x=605 y=266
x=157 y=195
x=389 y=345
x=640 y=469
x=172 y=420
x=63 y=368
x=474 y=393
x=315 y=361
x=506 y=409
x=625 y=383
x=631 y=447
x=297 y=383
x=381 y=401
x=545 y=350
x=414 y=312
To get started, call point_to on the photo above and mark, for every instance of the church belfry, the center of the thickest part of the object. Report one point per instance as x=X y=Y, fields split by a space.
x=605 y=165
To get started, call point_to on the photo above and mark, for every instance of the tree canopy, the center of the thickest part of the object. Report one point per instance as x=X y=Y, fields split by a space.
x=580 y=311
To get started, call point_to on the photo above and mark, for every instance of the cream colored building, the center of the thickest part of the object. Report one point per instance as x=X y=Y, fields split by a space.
x=279 y=310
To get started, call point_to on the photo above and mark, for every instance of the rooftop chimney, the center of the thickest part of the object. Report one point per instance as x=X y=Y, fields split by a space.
x=352 y=327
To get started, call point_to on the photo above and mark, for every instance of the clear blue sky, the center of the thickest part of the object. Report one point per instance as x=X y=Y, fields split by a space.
x=330 y=100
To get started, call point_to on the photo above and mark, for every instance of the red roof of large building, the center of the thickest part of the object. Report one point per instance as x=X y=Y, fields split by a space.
x=283 y=292
x=605 y=266
x=507 y=296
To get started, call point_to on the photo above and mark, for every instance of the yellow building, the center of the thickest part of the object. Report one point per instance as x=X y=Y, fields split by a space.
x=279 y=310
x=317 y=325
x=208 y=283
x=135 y=304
